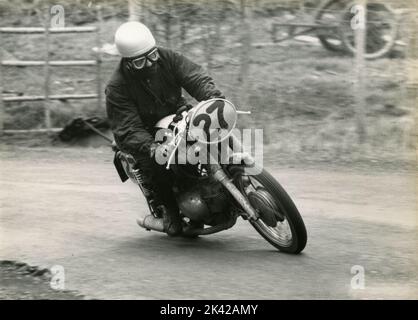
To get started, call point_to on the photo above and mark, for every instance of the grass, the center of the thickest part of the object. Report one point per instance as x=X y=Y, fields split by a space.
x=300 y=94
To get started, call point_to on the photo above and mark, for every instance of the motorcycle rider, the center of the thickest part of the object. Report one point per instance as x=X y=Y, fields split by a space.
x=145 y=87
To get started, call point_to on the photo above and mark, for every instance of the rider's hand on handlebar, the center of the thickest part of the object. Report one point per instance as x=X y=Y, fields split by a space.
x=178 y=117
x=152 y=149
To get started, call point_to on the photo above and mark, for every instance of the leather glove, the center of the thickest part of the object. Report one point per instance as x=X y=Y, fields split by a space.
x=178 y=117
x=152 y=149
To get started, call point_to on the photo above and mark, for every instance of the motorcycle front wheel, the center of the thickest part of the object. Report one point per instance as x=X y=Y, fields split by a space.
x=289 y=235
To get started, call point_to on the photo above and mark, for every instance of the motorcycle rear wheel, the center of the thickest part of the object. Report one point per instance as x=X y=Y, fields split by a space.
x=292 y=223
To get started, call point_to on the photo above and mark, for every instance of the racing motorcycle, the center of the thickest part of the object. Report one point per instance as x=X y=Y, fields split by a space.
x=213 y=191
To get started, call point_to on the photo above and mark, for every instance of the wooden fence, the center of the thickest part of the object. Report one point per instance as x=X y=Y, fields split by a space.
x=47 y=63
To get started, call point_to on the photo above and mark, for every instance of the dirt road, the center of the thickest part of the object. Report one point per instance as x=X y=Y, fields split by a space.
x=66 y=207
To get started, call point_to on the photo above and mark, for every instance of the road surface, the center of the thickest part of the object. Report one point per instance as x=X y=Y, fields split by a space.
x=66 y=207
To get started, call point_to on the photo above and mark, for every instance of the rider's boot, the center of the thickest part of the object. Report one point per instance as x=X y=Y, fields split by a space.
x=157 y=190
x=172 y=221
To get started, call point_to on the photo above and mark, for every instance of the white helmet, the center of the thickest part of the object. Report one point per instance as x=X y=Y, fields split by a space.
x=133 y=38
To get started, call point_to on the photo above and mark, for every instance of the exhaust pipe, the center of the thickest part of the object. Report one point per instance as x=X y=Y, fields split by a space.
x=206 y=231
x=150 y=222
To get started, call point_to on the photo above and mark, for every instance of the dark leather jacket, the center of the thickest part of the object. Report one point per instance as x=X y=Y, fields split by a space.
x=134 y=105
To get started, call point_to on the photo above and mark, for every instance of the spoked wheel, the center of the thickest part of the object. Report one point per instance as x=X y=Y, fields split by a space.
x=329 y=13
x=281 y=224
x=381 y=31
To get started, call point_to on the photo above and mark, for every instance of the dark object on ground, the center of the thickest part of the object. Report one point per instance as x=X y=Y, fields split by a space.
x=79 y=128
x=23 y=282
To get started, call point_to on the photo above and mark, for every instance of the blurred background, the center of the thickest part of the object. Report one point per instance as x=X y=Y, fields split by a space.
x=302 y=81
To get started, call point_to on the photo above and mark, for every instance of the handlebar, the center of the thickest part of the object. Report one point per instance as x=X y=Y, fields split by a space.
x=181 y=127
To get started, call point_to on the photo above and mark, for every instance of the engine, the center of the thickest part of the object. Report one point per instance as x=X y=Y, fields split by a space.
x=205 y=201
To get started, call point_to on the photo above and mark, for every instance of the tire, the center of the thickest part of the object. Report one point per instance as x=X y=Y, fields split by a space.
x=332 y=7
x=289 y=211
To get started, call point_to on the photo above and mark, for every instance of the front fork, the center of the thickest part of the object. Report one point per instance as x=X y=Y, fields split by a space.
x=219 y=175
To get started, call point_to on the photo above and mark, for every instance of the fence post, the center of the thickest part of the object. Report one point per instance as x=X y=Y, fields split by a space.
x=47 y=74
x=245 y=52
x=99 y=58
x=136 y=10
x=168 y=19
x=360 y=42
x=208 y=47
x=1 y=91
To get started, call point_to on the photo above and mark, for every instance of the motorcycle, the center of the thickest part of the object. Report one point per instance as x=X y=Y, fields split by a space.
x=212 y=193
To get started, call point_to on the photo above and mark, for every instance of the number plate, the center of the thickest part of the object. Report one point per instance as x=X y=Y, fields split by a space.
x=213 y=121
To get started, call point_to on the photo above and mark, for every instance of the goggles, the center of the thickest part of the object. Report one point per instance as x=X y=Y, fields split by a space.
x=139 y=63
